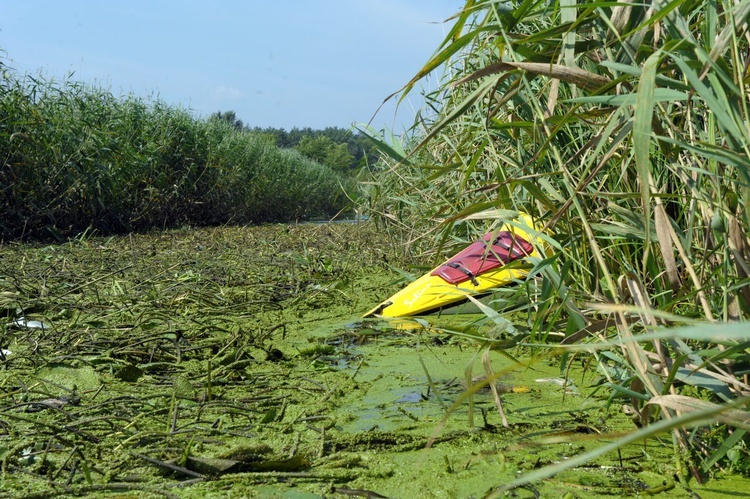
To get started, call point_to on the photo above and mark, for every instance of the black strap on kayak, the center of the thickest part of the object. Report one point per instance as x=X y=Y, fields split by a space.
x=512 y=247
x=466 y=271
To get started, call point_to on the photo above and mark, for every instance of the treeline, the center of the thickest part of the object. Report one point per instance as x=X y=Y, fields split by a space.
x=76 y=158
x=340 y=148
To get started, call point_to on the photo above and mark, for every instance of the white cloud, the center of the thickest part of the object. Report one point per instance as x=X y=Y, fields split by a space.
x=225 y=93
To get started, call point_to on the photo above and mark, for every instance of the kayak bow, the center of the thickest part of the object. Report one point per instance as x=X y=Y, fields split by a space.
x=496 y=260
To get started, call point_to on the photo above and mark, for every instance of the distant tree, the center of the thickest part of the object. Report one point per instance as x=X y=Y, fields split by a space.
x=358 y=147
x=338 y=157
x=338 y=135
x=279 y=136
x=325 y=151
x=230 y=117
x=313 y=148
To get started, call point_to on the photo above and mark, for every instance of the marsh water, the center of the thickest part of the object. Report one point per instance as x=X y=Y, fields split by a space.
x=233 y=362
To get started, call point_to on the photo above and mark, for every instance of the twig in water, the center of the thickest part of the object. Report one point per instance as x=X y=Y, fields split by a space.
x=169 y=466
x=493 y=386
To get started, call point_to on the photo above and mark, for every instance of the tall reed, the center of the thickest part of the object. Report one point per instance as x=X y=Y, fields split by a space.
x=623 y=128
x=75 y=158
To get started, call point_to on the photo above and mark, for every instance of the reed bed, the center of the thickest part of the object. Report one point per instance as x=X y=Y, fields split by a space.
x=622 y=127
x=76 y=158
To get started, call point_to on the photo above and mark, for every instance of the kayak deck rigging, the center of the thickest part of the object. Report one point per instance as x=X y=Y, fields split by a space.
x=498 y=259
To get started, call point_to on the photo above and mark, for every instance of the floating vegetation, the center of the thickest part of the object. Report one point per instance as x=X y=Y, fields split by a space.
x=130 y=359
x=183 y=363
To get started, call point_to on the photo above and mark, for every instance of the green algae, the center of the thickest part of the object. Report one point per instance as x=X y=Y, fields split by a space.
x=200 y=363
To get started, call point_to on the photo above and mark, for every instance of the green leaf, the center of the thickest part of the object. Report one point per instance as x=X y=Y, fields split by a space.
x=719 y=108
x=659 y=95
x=694 y=418
x=725 y=447
x=643 y=115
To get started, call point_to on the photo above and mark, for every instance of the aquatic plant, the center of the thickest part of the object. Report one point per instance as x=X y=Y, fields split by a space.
x=184 y=363
x=622 y=127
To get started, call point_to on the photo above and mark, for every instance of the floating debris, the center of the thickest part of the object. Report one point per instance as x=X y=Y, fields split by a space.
x=566 y=384
x=25 y=323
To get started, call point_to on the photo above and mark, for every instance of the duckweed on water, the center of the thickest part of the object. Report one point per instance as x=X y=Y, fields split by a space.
x=200 y=363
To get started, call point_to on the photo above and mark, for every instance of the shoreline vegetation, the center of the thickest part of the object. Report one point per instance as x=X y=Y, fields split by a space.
x=622 y=128
x=78 y=159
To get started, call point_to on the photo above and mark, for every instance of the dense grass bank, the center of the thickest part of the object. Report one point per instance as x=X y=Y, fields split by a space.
x=76 y=158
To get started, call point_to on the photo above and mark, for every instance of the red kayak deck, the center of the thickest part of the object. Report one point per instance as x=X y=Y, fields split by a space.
x=478 y=258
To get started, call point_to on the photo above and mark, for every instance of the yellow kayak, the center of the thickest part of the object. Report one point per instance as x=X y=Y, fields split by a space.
x=496 y=260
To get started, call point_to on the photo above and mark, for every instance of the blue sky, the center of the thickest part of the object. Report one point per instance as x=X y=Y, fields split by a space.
x=281 y=64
